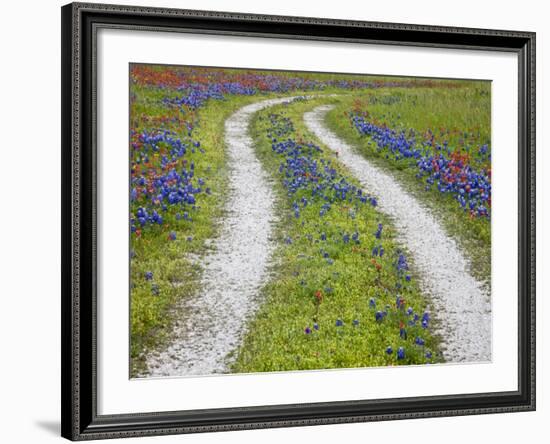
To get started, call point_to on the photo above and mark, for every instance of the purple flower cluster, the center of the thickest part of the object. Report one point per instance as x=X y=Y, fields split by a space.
x=301 y=169
x=450 y=172
x=167 y=182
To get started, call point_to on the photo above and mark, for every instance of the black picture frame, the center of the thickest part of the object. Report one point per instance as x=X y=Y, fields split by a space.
x=80 y=420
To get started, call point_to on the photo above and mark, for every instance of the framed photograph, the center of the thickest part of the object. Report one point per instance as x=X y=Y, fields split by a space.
x=275 y=221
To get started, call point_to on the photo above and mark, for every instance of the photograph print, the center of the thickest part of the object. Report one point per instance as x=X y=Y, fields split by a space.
x=292 y=221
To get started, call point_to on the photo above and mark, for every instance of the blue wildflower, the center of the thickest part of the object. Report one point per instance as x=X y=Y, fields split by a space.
x=400 y=353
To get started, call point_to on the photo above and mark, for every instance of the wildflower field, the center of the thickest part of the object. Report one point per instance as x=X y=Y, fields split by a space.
x=335 y=284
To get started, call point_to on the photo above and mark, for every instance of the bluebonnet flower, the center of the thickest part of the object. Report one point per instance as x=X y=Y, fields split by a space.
x=339 y=323
x=148 y=275
x=429 y=355
x=316 y=326
x=451 y=169
x=402 y=263
x=372 y=303
x=378 y=233
x=400 y=353
x=425 y=319
x=419 y=341
x=307 y=330
x=379 y=316
x=141 y=212
x=356 y=322
x=389 y=350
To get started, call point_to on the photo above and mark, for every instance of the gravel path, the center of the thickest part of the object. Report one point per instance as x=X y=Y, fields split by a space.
x=462 y=306
x=214 y=320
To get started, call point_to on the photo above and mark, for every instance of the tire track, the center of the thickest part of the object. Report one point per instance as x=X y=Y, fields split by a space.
x=213 y=321
x=463 y=308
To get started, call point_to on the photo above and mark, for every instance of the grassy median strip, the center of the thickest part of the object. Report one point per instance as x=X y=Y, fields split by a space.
x=343 y=293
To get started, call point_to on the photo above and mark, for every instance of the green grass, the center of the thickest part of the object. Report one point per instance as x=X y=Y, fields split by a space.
x=276 y=340
x=456 y=111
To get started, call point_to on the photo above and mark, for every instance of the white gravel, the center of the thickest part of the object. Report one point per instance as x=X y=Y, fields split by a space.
x=463 y=307
x=213 y=321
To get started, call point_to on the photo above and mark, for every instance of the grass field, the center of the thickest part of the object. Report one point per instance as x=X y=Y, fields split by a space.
x=343 y=292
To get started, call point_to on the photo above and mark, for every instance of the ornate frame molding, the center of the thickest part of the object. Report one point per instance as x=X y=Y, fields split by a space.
x=79 y=395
